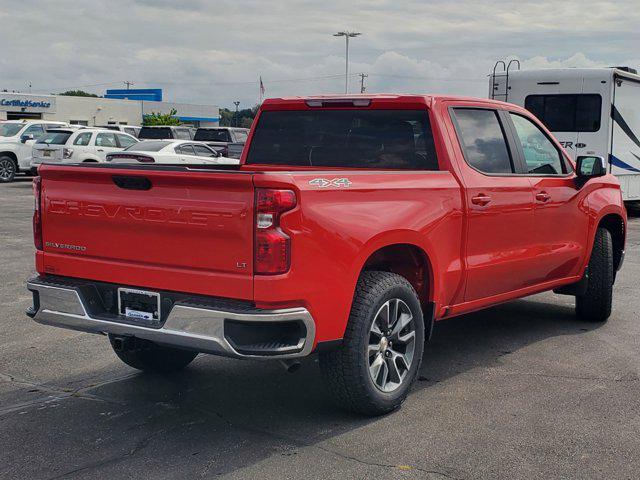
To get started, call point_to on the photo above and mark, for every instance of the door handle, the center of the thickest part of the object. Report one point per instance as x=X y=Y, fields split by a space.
x=543 y=197
x=481 y=199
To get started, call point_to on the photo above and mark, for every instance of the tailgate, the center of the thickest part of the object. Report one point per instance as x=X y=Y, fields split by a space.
x=187 y=231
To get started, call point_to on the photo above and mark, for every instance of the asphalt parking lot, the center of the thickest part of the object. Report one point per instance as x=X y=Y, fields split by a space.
x=522 y=390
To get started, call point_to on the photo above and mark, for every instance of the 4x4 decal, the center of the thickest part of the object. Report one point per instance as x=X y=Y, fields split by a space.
x=334 y=182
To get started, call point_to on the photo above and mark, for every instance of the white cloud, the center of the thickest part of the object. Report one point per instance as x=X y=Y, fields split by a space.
x=214 y=51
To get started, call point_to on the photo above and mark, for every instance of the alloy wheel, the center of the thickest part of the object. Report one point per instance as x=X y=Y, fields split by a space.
x=392 y=340
x=7 y=169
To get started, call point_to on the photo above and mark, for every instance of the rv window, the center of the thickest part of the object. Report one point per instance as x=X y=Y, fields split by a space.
x=567 y=113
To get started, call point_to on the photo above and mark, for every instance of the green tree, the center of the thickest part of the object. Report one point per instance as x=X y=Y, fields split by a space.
x=77 y=93
x=244 y=118
x=154 y=118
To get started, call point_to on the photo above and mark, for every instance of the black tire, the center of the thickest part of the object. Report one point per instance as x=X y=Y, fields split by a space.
x=8 y=169
x=151 y=357
x=346 y=370
x=595 y=304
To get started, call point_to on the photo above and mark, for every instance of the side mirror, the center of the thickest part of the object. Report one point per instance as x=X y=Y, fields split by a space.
x=590 y=167
x=24 y=138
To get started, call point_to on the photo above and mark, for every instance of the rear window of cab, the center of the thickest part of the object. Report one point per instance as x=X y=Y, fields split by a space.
x=374 y=139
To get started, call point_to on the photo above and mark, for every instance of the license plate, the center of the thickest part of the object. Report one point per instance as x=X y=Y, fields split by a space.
x=139 y=304
x=46 y=153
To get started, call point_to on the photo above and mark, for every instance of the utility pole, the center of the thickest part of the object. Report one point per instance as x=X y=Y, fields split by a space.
x=347 y=35
x=362 y=77
x=236 y=103
x=128 y=83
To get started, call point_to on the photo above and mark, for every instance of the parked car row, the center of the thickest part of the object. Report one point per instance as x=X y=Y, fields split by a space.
x=170 y=152
x=25 y=144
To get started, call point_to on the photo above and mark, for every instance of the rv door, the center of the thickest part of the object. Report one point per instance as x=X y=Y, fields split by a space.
x=592 y=119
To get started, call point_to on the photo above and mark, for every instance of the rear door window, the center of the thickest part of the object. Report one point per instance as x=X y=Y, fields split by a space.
x=483 y=140
x=83 y=139
x=185 y=150
x=203 y=151
x=106 y=140
x=540 y=154
x=382 y=139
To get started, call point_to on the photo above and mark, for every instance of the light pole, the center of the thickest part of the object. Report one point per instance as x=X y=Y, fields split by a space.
x=236 y=116
x=346 y=34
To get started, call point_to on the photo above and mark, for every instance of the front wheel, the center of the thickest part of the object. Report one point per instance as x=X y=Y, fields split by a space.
x=149 y=356
x=595 y=304
x=373 y=370
x=8 y=169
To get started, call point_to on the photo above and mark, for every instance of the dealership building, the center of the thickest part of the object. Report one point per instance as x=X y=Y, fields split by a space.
x=124 y=107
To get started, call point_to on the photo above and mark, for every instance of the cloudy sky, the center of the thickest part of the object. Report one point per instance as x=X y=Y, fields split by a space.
x=213 y=52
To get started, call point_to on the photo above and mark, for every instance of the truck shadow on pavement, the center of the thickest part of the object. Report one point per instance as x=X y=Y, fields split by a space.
x=221 y=415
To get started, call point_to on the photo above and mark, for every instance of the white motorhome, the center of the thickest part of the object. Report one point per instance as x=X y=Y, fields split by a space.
x=591 y=111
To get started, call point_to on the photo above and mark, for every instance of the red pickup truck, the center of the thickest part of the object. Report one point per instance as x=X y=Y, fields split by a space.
x=350 y=227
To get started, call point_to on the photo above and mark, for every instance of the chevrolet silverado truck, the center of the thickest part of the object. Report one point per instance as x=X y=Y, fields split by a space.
x=350 y=227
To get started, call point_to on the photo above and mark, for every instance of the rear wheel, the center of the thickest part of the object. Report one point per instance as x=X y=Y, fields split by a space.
x=8 y=169
x=595 y=304
x=373 y=370
x=149 y=356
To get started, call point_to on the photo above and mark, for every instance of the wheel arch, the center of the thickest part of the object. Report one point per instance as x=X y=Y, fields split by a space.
x=11 y=154
x=411 y=261
x=615 y=224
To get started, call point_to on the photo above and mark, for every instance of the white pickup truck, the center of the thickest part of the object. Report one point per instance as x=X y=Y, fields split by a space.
x=16 y=144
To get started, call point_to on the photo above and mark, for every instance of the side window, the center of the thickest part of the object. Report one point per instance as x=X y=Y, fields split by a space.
x=203 y=151
x=183 y=134
x=187 y=150
x=106 y=140
x=130 y=131
x=567 y=112
x=35 y=130
x=483 y=140
x=241 y=137
x=125 y=140
x=540 y=155
x=83 y=139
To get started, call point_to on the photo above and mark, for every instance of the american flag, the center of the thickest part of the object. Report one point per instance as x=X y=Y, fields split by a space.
x=261 y=86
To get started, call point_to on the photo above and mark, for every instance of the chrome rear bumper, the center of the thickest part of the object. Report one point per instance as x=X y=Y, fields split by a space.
x=193 y=327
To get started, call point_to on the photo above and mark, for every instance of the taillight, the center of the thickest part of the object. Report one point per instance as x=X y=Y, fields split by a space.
x=272 y=246
x=37 y=213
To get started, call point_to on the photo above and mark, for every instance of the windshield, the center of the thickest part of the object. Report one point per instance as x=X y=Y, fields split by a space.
x=208 y=134
x=389 y=139
x=10 y=129
x=155 y=133
x=148 y=146
x=55 y=138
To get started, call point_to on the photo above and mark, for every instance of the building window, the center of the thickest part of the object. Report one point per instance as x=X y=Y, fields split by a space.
x=84 y=123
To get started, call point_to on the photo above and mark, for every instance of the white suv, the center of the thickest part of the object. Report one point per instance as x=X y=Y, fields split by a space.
x=66 y=145
x=16 y=143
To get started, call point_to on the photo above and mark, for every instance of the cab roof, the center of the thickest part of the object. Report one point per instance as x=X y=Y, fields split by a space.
x=378 y=100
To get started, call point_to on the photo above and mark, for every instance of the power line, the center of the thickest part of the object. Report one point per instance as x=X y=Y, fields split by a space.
x=448 y=79
x=362 y=77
